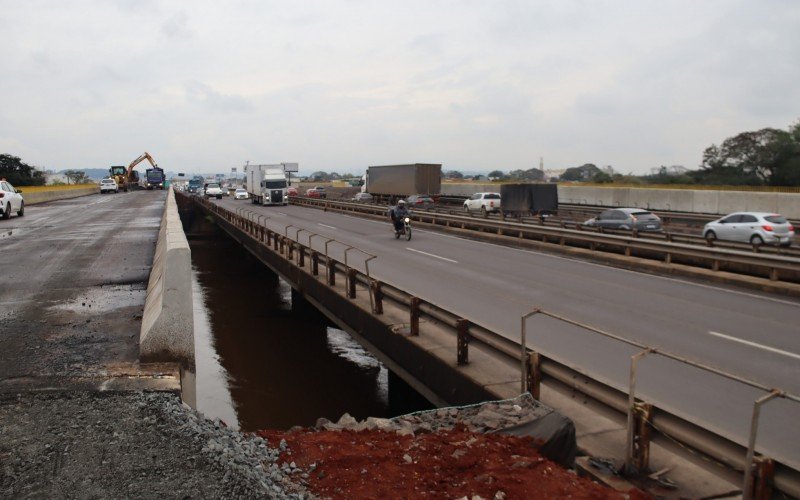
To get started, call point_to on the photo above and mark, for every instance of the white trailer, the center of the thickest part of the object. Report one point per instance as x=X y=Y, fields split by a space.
x=267 y=184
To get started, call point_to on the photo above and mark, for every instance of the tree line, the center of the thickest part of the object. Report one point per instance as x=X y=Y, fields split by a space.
x=766 y=157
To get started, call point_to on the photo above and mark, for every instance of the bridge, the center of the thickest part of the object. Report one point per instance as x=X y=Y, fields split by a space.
x=463 y=320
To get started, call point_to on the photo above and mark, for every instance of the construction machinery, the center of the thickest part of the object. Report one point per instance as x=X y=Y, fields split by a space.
x=128 y=178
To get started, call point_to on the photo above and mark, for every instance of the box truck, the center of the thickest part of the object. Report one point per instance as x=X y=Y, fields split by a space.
x=403 y=180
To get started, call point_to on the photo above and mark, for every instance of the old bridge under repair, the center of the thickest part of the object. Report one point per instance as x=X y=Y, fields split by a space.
x=453 y=361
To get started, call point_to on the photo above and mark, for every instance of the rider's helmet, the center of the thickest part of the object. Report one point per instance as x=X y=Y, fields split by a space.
x=401 y=202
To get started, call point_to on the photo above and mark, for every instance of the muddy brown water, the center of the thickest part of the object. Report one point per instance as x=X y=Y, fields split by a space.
x=266 y=361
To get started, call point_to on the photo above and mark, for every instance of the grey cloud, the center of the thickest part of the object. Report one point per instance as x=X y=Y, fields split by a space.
x=177 y=26
x=201 y=93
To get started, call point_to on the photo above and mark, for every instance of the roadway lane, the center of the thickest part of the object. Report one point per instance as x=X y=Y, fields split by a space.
x=74 y=280
x=751 y=335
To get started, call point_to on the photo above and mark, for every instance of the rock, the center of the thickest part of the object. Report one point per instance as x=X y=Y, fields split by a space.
x=407 y=458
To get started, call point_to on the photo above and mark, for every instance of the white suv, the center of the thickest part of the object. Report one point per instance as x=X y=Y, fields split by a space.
x=10 y=200
x=109 y=185
x=485 y=202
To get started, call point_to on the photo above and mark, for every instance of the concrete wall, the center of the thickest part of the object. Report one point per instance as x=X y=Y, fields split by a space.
x=167 y=332
x=61 y=194
x=678 y=200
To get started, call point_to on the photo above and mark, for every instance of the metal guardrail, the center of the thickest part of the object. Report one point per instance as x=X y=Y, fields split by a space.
x=536 y=369
x=774 y=267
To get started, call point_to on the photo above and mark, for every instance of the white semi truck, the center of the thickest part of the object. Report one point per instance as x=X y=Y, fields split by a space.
x=267 y=184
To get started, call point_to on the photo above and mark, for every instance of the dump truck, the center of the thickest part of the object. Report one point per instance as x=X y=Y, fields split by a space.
x=403 y=180
x=526 y=199
x=267 y=184
x=154 y=178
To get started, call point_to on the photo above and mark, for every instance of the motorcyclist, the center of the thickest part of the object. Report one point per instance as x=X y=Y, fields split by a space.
x=398 y=214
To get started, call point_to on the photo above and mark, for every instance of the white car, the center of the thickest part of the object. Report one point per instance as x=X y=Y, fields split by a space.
x=212 y=189
x=755 y=228
x=10 y=200
x=483 y=202
x=240 y=194
x=108 y=185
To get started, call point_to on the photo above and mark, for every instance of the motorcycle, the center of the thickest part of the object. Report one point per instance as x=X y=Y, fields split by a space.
x=405 y=230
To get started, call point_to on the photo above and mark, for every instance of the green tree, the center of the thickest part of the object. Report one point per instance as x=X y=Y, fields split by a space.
x=453 y=174
x=585 y=172
x=766 y=156
x=496 y=174
x=19 y=173
x=76 y=176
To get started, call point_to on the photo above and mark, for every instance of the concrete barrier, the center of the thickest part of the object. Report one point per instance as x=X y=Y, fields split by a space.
x=60 y=194
x=167 y=332
x=677 y=200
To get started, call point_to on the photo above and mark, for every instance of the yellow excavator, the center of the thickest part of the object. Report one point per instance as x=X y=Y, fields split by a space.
x=128 y=178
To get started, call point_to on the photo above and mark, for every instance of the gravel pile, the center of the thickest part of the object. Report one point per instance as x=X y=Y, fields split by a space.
x=145 y=445
x=484 y=418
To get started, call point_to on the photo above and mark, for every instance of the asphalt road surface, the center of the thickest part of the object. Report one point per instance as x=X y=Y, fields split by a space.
x=747 y=334
x=74 y=278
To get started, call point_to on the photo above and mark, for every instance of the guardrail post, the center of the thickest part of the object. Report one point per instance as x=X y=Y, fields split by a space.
x=414 y=310
x=642 y=415
x=377 y=294
x=301 y=256
x=764 y=474
x=534 y=372
x=331 y=271
x=290 y=250
x=462 y=328
x=632 y=454
x=351 y=283
x=314 y=263
x=750 y=469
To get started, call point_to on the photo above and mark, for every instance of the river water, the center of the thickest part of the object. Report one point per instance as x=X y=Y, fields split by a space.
x=264 y=362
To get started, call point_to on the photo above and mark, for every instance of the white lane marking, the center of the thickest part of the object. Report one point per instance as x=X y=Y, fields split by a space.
x=325 y=225
x=433 y=255
x=281 y=213
x=753 y=344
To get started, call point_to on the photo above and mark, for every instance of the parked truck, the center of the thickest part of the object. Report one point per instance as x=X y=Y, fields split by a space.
x=267 y=184
x=529 y=199
x=403 y=180
x=154 y=178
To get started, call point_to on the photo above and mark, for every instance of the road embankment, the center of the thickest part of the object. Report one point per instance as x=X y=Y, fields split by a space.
x=34 y=195
x=167 y=332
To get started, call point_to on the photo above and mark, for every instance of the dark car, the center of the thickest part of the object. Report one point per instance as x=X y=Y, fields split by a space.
x=626 y=219
x=420 y=201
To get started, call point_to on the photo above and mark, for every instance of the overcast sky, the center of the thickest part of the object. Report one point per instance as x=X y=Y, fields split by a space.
x=338 y=85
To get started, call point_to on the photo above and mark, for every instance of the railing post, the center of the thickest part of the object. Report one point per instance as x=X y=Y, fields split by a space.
x=642 y=415
x=351 y=283
x=290 y=250
x=331 y=271
x=462 y=328
x=748 y=490
x=632 y=450
x=314 y=263
x=414 y=311
x=534 y=374
x=301 y=256
x=377 y=294
x=523 y=356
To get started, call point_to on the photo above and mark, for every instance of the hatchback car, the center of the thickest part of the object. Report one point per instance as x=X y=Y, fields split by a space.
x=313 y=193
x=108 y=186
x=626 y=219
x=321 y=191
x=420 y=201
x=756 y=228
x=291 y=191
x=10 y=200
x=240 y=194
